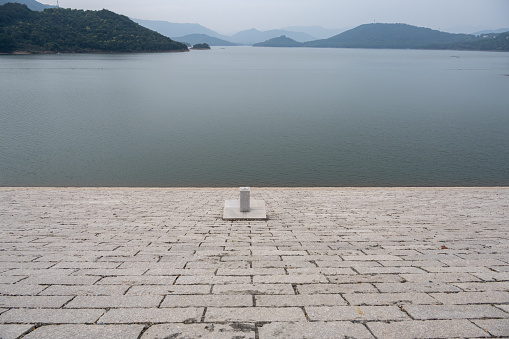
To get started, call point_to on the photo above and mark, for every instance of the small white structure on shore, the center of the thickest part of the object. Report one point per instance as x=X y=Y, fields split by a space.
x=244 y=208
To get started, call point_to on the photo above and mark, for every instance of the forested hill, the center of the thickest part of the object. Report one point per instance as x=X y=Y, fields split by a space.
x=487 y=42
x=67 y=30
x=390 y=36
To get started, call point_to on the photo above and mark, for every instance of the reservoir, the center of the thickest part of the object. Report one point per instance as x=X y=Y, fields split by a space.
x=246 y=116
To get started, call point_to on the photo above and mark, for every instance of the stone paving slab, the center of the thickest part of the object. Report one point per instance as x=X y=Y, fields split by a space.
x=496 y=327
x=327 y=263
x=326 y=330
x=219 y=331
x=427 y=329
x=14 y=331
x=86 y=332
x=50 y=316
x=355 y=313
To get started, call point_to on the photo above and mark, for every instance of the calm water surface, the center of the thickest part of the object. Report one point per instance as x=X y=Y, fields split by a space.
x=256 y=117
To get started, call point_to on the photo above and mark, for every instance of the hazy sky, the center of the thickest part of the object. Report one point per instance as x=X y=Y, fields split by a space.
x=230 y=16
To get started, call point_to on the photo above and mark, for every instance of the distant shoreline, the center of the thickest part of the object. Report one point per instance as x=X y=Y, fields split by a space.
x=196 y=49
x=92 y=52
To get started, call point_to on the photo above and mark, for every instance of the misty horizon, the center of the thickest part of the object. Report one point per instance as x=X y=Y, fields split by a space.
x=228 y=17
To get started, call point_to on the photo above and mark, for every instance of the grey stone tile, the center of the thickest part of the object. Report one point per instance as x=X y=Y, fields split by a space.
x=217 y=265
x=493 y=276
x=357 y=313
x=115 y=301
x=21 y=289
x=29 y=272
x=8 y=279
x=151 y=315
x=254 y=314
x=250 y=271
x=371 y=258
x=345 y=264
x=59 y=280
x=300 y=300
x=289 y=279
x=13 y=331
x=85 y=265
x=93 y=290
x=107 y=272
x=483 y=286
x=50 y=316
x=219 y=331
x=138 y=280
x=388 y=298
x=33 y=301
x=207 y=300
x=439 y=277
x=388 y=270
x=427 y=329
x=86 y=332
x=247 y=258
x=253 y=289
x=416 y=287
x=496 y=327
x=432 y=312
x=163 y=266
x=212 y=280
x=456 y=269
x=465 y=298
x=180 y=271
x=266 y=252
x=365 y=278
x=472 y=263
x=323 y=330
x=413 y=263
x=335 y=288
x=322 y=270
x=172 y=289
x=282 y=264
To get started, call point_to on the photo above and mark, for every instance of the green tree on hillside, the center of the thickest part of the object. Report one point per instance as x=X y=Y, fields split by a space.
x=67 y=30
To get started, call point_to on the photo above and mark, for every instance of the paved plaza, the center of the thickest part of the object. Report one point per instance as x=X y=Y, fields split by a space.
x=328 y=263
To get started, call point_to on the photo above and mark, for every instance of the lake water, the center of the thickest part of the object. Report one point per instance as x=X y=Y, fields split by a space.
x=250 y=116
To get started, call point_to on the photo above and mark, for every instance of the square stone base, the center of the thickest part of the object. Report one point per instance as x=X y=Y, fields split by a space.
x=232 y=210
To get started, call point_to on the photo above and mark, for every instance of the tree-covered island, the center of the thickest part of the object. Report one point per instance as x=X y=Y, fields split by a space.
x=202 y=46
x=59 y=30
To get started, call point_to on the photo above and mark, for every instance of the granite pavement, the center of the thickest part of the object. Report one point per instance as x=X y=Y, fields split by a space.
x=328 y=263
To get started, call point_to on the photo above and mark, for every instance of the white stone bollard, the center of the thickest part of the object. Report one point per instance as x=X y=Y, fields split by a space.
x=245 y=193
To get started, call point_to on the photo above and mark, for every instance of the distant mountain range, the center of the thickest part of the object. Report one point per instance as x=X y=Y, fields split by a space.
x=31 y=4
x=500 y=30
x=171 y=29
x=376 y=35
x=252 y=36
x=364 y=36
x=193 y=39
x=399 y=36
x=317 y=31
x=188 y=32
